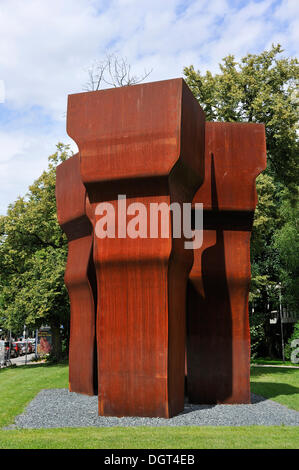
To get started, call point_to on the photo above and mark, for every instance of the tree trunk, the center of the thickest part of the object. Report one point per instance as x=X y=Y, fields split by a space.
x=56 y=342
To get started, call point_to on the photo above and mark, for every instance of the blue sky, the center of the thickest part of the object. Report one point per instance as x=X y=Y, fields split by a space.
x=46 y=47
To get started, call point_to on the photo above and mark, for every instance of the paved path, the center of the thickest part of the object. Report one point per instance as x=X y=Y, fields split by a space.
x=274 y=365
x=21 y=360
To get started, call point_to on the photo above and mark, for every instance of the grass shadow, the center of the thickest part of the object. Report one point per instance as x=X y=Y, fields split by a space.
x=36 y=366
x=44 y=364
x=257 y=371
x=274 y=389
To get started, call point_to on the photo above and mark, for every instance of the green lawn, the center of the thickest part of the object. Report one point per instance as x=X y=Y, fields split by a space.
x=19 y=385
x=278 y=384
x=274 y=362
x=181 y=437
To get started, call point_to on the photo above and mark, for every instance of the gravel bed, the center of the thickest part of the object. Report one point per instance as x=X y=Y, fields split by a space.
x=59 y=408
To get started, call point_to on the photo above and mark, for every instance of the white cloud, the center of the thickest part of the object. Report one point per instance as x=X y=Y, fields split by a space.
x=287 y=13
x=22 y=160
x=47 y=45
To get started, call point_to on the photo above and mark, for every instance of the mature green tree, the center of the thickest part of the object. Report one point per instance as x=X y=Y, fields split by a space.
x=33 y=252
x=286 y=242
x=263 y=88
x=260 y=88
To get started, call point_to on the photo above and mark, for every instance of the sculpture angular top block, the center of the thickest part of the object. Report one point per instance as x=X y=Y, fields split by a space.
x=72 y=203
x=137 y=132
x=240 y=156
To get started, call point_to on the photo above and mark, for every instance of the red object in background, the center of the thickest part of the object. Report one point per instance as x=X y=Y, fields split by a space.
x=145 y=142
x=218 y=336
x=74 y=216
x=45 y=346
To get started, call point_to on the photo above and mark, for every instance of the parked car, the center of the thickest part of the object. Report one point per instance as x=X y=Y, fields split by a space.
x=32 y=342
x=15 y=348
x=23 y=346
x=20 y=347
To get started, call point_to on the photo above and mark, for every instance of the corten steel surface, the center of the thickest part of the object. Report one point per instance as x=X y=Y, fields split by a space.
x=218 y=337
x=146 y=142
x=75 y=217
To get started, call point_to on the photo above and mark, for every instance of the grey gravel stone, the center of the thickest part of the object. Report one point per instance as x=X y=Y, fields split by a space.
x=59 y=408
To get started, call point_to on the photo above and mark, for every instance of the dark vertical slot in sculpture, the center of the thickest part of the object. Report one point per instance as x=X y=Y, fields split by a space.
x=209 y=341
x=92 y=277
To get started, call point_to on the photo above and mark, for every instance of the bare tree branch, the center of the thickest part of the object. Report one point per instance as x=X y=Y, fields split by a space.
x=113 y=71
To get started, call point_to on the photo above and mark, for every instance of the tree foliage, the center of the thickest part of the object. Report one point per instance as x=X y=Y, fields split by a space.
x=33 y=251
x=263 y=88
x=286 y=243
x=260 y=88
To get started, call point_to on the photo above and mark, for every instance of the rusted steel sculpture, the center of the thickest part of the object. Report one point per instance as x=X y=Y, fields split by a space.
x=75 y=217
x=145 y=142
x=128 y=293
x=218 y=338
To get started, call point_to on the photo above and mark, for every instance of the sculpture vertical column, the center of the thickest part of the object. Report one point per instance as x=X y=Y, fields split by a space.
x=145 y=142
x=218 y=336
x=75 y=218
